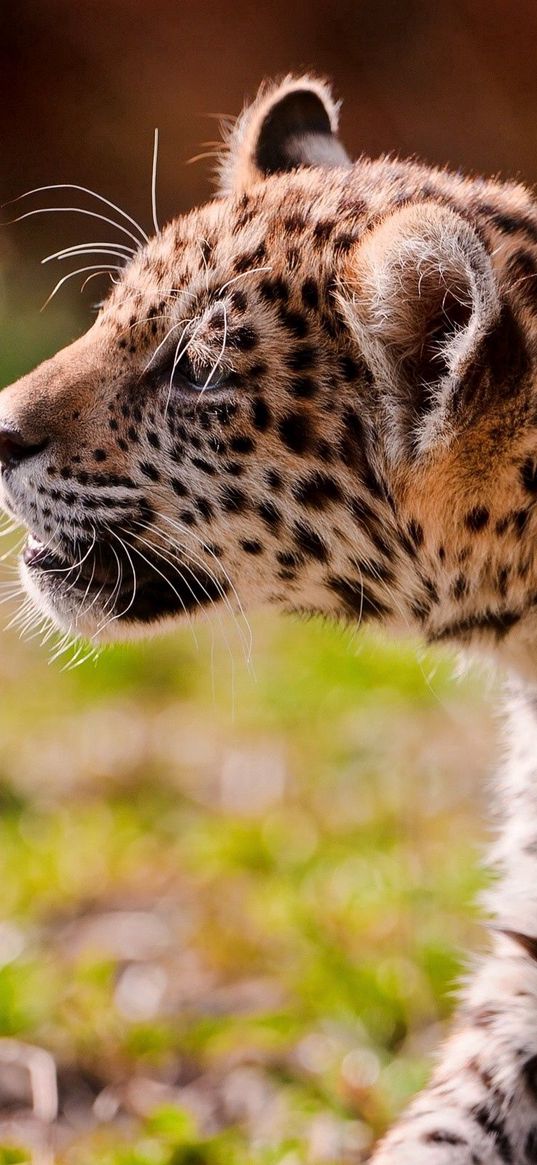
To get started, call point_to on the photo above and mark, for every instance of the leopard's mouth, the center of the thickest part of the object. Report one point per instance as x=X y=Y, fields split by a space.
x=128 y=585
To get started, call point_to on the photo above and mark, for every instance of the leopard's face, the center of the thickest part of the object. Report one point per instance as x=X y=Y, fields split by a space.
x=315 y=391
x=192 y=452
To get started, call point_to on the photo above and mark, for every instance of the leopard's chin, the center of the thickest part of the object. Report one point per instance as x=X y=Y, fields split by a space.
x=87 y=599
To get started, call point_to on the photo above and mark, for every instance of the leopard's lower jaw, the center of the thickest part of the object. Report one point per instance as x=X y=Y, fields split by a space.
x=104 y=608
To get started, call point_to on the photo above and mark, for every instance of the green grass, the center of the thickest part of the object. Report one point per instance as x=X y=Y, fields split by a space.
x=233 y=905
x=236 y=918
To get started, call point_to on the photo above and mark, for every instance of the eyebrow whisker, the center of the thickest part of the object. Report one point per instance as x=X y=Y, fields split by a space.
x=154 y=184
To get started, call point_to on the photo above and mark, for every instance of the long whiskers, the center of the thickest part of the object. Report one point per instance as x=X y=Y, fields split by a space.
x=185 y=551
x=76 y=210
x=93 y=194
x=117 y=589
x=186 y=531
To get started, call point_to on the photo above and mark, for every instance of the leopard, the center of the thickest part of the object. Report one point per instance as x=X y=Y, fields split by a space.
x=318 y=392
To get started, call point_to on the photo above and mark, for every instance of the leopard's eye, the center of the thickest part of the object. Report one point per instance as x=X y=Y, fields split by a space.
x=188 y=374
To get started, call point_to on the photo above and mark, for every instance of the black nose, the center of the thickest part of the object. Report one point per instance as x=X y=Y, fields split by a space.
x=14 y=447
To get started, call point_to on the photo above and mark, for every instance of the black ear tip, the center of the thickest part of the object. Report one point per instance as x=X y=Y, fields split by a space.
x=299 y=129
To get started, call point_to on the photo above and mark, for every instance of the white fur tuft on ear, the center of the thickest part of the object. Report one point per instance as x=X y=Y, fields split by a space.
x=290 y=123
x=419 y=294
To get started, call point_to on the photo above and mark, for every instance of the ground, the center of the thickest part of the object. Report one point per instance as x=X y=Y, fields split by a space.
x=235 y=899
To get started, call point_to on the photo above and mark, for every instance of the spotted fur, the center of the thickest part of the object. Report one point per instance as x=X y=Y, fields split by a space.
x=319 y=391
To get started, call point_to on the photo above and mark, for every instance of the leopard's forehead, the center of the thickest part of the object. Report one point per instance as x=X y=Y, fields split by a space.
x=283 y=226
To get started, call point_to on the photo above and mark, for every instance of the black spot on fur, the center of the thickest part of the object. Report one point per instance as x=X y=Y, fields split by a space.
x=443 y=1137
x=179 y=487
x=325 y=452
x=349 y=368
x=476 y=519
x=204 y=466
x=252 y=546
x=528 y=474
x=239 y=300
x=322 y=231
x=149 y=470
x=261 y=415
x=302 y=358
x=295 y=432
x=303 y=387
x=250 y=259
x=520 y=521
x=234 y=500
x=415 y=532
x=270 y=514
x=317 y=491
x=502 y=580
x=273 y=290
x=511 y=224
x=494 y=1127
x=242 y=444
x=498 y=623
x=294 y=322
x=205 y=508
x=289 y=558
x=310 y=294
x=294 y=223
x=459 y=590
x=344 y=242
x=274 y=479
x=357 y=598
x=310 y=542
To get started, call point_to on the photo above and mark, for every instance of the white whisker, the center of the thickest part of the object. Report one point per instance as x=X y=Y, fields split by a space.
x=93 y=193
x=76 y=210
x=243 y=274
x=166 y=337
x=220 y=354
x=94 y=267
x=154 y=184
x=103 y=271
x=113 y=249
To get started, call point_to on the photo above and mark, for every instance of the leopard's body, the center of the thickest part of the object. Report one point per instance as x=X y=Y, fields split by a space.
x=320 y=391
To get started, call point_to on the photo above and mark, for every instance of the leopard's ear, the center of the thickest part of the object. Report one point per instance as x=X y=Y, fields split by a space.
x=420 y=295
x=291 y=123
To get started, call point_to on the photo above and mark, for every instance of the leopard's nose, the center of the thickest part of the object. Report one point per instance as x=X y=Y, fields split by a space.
x=15 y=447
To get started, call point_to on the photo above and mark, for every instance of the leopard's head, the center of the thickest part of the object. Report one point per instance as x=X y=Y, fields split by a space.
x=317 y=390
